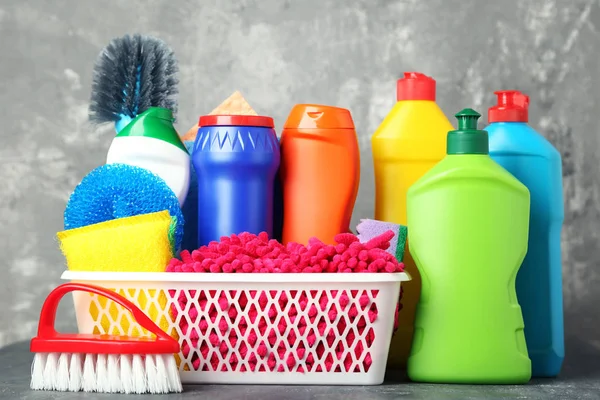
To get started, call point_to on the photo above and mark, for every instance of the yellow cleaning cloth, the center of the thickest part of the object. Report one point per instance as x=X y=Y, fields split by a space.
x=132 y=244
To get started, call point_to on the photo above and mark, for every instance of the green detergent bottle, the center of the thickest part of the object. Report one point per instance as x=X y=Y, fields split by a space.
x=469 y=222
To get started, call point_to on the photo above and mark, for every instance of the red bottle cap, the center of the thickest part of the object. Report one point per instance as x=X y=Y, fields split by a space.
x=316 y=116
x=513 y=106
x=415 y=86
x=236 y=120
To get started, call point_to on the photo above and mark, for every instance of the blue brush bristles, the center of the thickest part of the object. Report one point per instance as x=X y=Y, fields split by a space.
x=116 y=191
x=132 y=74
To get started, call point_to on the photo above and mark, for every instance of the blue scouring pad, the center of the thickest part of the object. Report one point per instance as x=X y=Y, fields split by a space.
x=116 y=191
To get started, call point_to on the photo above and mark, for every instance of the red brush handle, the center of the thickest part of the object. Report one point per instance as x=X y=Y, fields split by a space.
x=47 y=335
x=48 y=314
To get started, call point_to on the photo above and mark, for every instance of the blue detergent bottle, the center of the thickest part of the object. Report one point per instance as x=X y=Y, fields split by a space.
x=537 y=164
x=236 y=159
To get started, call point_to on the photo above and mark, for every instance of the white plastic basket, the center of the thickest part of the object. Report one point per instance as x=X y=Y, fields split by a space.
x=256 y=328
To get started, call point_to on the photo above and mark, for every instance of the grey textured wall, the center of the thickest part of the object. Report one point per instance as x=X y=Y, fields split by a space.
x=281 y=52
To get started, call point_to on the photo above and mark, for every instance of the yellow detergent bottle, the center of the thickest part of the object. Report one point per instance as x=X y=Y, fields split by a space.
x=409 y=142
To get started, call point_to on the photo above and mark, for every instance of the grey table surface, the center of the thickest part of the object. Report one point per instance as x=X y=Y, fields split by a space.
x=580 y=379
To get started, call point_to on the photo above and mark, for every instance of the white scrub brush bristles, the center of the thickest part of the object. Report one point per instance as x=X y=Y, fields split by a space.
x=106 y=373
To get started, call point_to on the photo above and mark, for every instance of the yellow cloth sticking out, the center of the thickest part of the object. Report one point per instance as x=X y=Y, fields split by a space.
x=133 y=244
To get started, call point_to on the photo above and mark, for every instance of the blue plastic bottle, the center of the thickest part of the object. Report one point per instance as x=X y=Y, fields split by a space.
x=537 y=164
x=236 y=158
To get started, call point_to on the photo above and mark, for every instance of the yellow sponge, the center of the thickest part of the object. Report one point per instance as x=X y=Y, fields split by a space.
x=133 y=244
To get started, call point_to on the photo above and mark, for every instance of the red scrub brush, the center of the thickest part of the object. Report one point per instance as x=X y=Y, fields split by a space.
x=102 y=363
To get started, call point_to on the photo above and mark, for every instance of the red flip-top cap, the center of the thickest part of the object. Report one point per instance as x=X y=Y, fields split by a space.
x=513 y=106
x=415 y=86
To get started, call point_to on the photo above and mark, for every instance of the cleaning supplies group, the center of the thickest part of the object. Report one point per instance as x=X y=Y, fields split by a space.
x=245 y=179
x=126 y=215
x=489 y=200
x=241 y=166
x=129 y=215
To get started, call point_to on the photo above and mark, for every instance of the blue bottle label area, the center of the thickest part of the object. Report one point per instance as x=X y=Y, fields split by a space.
x=236 y=169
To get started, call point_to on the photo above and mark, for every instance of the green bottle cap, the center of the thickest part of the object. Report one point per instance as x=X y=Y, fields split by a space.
x=156 y=123
x=467 y=139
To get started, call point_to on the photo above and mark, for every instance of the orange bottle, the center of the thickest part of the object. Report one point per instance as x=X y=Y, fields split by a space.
x=320 y=172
